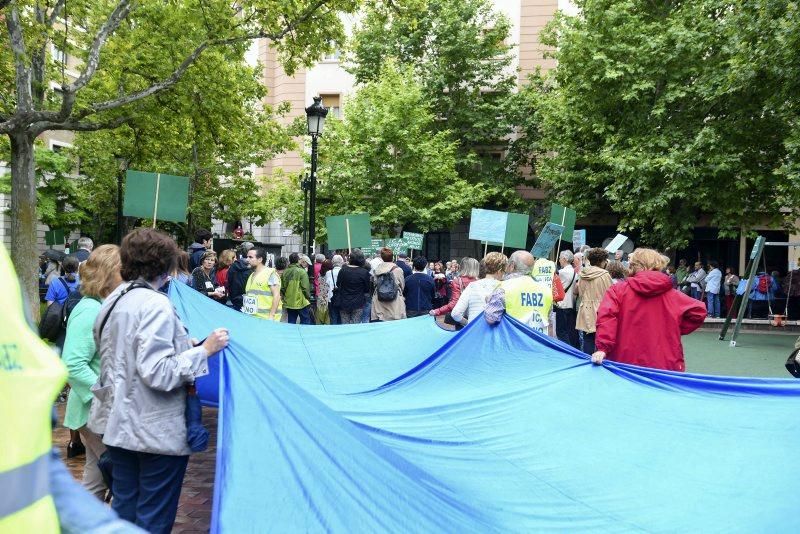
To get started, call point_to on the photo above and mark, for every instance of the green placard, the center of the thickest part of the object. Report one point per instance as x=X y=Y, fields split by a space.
x=516 y=231
x=397 y=244
x=414 y=241
x=360 y=231
x=150 y=195
x=373 y=248
x=54 y=237
x=565 y=217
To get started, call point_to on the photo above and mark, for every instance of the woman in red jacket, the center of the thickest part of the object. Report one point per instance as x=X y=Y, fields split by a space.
x=467 y=275
x=642 y=319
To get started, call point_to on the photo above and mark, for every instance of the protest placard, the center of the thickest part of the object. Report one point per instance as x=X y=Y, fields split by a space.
x=547 y=239
x=156 y=196
x=349 y=231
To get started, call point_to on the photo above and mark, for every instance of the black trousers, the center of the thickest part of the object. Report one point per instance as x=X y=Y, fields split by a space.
x=565 y=327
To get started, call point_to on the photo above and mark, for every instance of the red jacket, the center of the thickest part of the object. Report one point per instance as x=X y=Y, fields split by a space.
x=457 y=285
x=641 y=321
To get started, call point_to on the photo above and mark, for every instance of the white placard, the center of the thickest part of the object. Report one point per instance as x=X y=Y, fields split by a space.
x=616 y=243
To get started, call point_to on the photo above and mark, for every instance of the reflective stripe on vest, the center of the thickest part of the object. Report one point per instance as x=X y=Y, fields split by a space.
x=31 y=375
x=28 y=483
x=528 y=301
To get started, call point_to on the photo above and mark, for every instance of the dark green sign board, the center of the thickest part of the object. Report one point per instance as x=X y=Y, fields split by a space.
x=414 y=241
x=156 y=196
x=349 y=231
x=397 y=244
x=373 y=248
x=565 y=217
x=54 y=237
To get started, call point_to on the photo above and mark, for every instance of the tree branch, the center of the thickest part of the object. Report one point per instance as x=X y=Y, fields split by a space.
x=4 y=3
x=22 y=73
x=78 y=126
x=191 y=58
x=57 y=9
x=93 y=59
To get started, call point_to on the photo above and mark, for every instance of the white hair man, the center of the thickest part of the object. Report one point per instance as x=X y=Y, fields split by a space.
x=85 y=246
x=565 y=310
x=520 y=296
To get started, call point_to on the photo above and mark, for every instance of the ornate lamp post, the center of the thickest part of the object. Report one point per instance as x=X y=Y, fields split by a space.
x=315 y=113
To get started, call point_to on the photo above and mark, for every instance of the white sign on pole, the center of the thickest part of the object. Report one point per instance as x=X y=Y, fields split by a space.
x=616 y=243
x=578 y=239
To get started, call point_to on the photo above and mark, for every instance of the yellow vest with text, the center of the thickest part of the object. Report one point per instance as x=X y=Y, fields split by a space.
x=544 y=271
x=31 y=375
x=528 y=301
x=258 y=288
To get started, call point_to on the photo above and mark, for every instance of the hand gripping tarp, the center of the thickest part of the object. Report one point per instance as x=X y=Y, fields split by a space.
x=500 y=429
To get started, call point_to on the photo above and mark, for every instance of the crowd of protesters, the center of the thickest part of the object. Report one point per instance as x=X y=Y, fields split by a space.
x=132 y=365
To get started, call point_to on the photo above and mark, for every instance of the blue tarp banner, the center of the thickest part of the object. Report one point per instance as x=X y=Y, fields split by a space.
x=498 y=429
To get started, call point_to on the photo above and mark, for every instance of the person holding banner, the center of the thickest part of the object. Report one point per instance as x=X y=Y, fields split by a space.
x=520 y=296
x=591 y=285
x=641 y=321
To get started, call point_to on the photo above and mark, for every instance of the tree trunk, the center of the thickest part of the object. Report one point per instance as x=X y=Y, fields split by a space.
x=24 y=252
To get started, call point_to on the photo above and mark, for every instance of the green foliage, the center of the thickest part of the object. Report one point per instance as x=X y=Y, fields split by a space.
x=665 y=113
x=60 y=203
x=459 y=53
x=383 y=158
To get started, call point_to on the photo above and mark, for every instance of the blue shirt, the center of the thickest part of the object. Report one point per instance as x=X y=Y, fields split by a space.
x=57 y=292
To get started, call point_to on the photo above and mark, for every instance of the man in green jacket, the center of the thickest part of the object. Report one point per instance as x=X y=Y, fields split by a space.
x=296 y=292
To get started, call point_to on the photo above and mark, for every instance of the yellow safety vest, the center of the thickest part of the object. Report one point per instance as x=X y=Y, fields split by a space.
x=544 y=271
x=528 y=301
x=258 y=297
x=31 y=375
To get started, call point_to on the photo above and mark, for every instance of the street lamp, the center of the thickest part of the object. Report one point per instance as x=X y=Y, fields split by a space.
x=315 y=113
x=122 y=166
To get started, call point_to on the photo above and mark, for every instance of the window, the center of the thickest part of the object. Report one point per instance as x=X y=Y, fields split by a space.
x=333 y=103
x=58 y=55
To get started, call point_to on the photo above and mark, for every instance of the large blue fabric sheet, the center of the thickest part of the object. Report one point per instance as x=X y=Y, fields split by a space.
x=499 y=429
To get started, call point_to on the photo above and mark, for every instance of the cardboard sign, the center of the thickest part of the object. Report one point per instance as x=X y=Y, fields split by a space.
x=349 y=231
x=616 y=243
x=578 y=239
x=565 y=217
x=413 y=241
x=156 y=196
x=487 y=225
x=547 y=239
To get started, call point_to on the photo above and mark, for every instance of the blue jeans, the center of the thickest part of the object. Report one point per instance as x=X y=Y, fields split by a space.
x=367 y=311
x=303 y=313
x=335 y=314
x=696 y=293
x=588 y=346
x=147 y=487
x=712 y=304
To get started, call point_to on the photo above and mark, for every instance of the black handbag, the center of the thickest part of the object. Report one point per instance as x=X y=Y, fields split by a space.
x=791 y=364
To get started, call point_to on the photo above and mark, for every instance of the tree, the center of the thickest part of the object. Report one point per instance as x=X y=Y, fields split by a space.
x=667 y=112
x=384 y=158
x=459 y=52
x=127 y=54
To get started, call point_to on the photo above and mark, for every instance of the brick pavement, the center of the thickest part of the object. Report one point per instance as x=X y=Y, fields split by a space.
x=194 y=509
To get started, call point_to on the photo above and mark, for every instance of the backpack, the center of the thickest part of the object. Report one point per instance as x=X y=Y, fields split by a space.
x=764 y=283
x=387 y=286
x=54 y=321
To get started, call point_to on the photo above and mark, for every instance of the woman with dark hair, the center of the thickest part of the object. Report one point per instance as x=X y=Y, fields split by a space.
x=61 y=287
x=353 y=284
x=147 y=363
x=324 y=294
x=440 y=282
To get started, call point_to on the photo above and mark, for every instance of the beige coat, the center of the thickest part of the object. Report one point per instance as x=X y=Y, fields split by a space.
x=592 y=284
x=389 y=310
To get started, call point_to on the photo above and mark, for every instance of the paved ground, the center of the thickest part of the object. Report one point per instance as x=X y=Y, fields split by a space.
x=755 y=355
x=194 y=510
